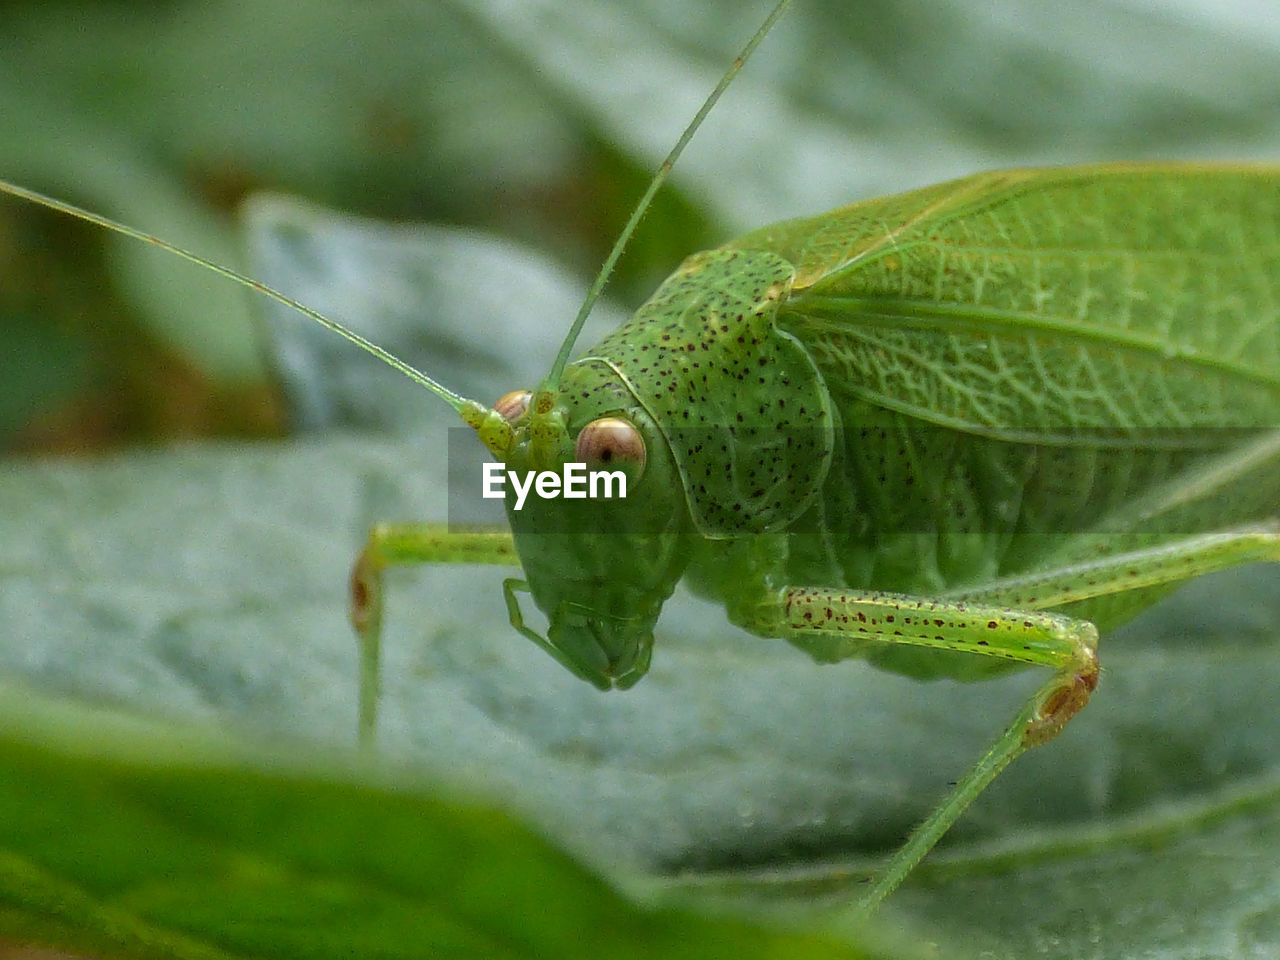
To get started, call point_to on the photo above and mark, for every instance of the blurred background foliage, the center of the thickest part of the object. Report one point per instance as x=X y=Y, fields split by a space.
x=536 y=120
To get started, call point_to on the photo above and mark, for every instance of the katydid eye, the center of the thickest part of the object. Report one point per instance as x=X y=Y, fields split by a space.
x=611 y=442
x=512 y=406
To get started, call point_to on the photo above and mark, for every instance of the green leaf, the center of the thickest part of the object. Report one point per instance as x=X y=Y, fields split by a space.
x=137 y=841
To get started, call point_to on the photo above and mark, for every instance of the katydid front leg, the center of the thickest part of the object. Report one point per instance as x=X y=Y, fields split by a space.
x=404 y=545
x=835 y=624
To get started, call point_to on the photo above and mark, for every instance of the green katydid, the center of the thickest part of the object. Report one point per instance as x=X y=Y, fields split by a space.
x=953 y=432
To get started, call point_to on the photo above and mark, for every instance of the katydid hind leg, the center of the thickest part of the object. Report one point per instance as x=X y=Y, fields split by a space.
x=402 y=545
x=834 y=624
x=1108 y=577
x=1219 y=513
x=1088 y=583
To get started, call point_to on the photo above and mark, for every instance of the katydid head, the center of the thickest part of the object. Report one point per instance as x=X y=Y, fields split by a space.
x=599 y=567
x=601 y=544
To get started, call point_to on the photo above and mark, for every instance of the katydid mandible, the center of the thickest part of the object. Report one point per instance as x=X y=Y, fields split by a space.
x=953 y=432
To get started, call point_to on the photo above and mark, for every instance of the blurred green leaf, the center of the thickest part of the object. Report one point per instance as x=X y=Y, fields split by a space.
x=140 y=842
